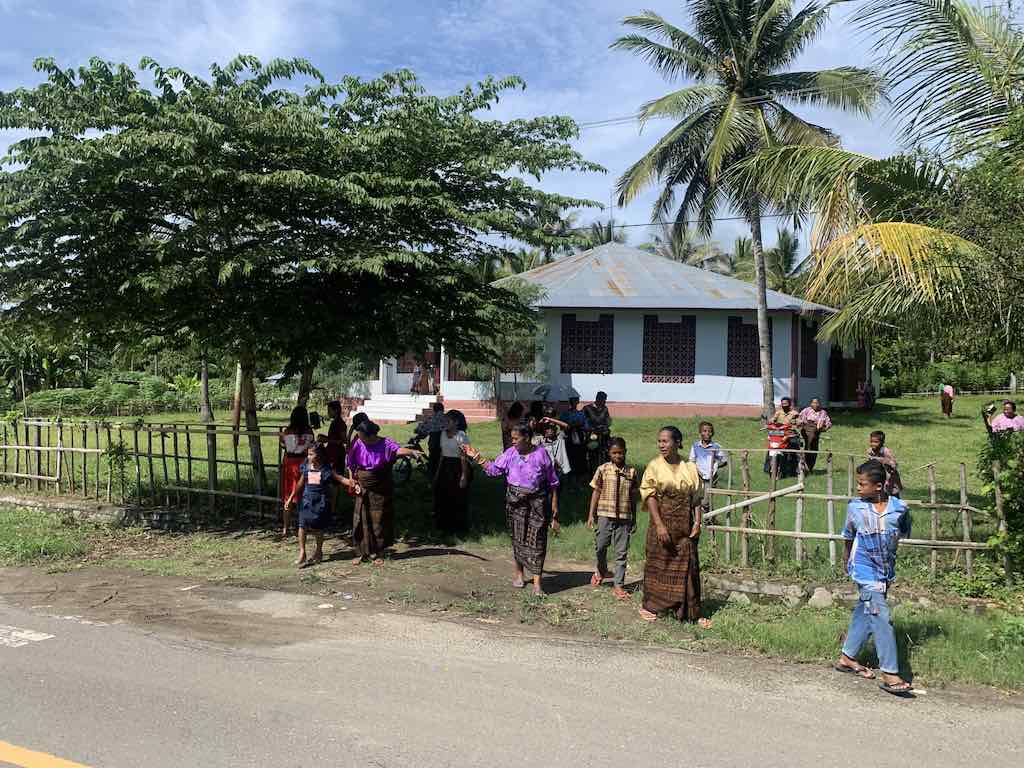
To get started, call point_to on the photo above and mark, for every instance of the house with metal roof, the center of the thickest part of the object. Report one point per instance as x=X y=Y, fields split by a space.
x=659 y=337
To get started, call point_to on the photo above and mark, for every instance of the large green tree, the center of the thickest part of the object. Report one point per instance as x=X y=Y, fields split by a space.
x=739 y=104
x=267 y=221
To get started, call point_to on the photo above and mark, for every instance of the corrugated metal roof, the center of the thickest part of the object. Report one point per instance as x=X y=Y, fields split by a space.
x=616 y=276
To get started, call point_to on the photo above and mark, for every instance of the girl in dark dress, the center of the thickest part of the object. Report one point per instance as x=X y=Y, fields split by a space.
x=316 y=481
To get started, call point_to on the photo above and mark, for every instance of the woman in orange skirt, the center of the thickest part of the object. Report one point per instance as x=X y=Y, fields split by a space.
x=295 y=439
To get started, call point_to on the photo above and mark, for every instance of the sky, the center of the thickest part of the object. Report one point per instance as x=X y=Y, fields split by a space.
x=560 y=47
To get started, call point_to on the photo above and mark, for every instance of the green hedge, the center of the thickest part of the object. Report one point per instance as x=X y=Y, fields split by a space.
x=966 y=376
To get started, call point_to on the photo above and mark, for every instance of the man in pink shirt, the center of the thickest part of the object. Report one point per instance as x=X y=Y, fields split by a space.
x=1009 y=420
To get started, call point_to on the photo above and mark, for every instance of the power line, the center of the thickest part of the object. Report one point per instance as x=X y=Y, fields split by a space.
x=715 y=219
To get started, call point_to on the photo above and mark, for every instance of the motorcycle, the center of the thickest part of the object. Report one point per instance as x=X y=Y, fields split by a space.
x=784 y=443
x=403 y=468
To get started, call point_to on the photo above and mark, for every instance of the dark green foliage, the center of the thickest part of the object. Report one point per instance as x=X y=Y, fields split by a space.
x=1008 y=449
x=235 y=214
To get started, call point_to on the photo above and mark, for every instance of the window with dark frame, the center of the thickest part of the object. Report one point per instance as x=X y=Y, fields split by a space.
x=808 y=349
x=587 y=346
x=743 y=356
x=670 y=350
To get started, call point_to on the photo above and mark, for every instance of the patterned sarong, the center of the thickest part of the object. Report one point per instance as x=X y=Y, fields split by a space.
x=672 y=572
x=373 y=520
x=526 y=514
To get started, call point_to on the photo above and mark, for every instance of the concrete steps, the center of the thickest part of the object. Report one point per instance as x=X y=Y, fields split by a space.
x=401 y=409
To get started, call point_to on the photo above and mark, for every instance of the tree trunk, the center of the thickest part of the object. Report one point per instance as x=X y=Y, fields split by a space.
x=205 y=408
x=763 y=336
x=252 y=425
x=306 y=384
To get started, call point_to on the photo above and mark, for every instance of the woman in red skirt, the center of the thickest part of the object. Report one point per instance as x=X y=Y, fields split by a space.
x=296 y=439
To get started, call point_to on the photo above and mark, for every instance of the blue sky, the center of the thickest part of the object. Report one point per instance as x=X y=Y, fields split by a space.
x=560 y=47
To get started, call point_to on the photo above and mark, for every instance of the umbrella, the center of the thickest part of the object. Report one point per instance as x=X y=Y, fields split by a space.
x=554 y=393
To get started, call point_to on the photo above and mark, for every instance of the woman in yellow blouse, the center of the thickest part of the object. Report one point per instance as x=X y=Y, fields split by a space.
x=671 y=493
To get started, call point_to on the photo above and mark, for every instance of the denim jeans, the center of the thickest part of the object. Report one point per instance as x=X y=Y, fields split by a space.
x=871 y=617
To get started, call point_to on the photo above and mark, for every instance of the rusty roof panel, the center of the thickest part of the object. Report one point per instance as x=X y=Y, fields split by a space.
x=616 y=276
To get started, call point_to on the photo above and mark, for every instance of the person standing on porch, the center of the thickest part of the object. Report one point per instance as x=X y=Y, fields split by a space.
x=531 y=482
x=671 y=492
x=814 y=421
x=417 y=374
x=295 y=441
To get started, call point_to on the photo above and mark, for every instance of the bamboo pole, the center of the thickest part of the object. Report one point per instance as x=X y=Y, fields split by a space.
x=745 y=520
x=149 y=464
x=28 y=462
x=177 y=469
x=48 y=443
x=798 y=520
x=830 y=508
x=238 y=477
x=85 y=462
x=121 y=448
x=211 y=472
x=17 y=452
x=138 y=466
x=932 y=496
x=188 y=470
x=850 y=474
x=110 y=468
x=5 y=448
x=96 y=433
x=1001 y=518
x=746 y=503
x=728 y=516
x=163 y=465
x=770 y=533
x=71 y=458
x=771 y=506
x=965 y=517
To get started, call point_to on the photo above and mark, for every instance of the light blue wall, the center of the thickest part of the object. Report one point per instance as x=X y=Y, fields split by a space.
x=711 y=385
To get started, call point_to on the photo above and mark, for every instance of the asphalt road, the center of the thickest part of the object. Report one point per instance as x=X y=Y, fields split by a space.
x=369 y=689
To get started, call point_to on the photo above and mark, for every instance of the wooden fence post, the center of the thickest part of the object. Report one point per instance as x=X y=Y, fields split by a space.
x=728 y=516
x=39 y=455
x=60 y=447
x=138 y=465
x=770 y=522
x=211 y=469
x=932 y=499
x=1001 y=517
x=85 y=461
x=830 y=507
x=110 y=468
x=149 y=462
x=965 y=517
x=745 y=519
x=798 y=520
x=188 y=468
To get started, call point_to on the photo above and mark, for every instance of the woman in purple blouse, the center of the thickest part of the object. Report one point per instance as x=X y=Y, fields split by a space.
x=373 y=522
x=531 y=501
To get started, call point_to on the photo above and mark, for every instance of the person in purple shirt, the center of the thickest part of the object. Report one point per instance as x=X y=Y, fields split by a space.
x=531 y=501
x=369 y=463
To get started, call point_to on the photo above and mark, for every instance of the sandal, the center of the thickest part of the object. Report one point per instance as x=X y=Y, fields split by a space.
x=857 y=669
x=619 y=593
x=648 y=616
x=379 y=561
x=595 y=580
x=903 y=689
x=704 y=623
x=518 y=583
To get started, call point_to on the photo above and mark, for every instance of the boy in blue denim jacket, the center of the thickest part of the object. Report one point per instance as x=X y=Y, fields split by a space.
x=875 y=523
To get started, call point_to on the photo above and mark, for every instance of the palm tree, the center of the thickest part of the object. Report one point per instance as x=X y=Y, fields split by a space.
x=554 y=228
x=679 y=244
x=958 y=77
x=782 y=262
x=522 y=260
x=603 y=232
x=738 y=55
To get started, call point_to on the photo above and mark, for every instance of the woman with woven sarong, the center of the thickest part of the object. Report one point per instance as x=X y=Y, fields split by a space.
x=671 y=492
x=295 y=440
x=531 y=480
x=369 y=461
x=451 y=481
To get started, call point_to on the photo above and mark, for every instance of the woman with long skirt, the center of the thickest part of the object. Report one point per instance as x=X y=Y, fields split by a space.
x=531 y=481
x=370 y=459
x=296 y=440
x=671 y=493
x=453 y=476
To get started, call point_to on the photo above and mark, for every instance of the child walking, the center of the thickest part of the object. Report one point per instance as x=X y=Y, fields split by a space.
x=707 y=454
x=314 y=488
x=885 y=456
x=875 y=522
x=613 y=509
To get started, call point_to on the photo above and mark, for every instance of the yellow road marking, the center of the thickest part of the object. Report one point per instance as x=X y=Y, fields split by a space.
x=26 y=758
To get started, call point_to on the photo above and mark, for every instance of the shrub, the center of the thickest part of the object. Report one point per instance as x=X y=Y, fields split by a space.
x=1008 y=449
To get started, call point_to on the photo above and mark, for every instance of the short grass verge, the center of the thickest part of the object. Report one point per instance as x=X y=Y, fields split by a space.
x=30 y=536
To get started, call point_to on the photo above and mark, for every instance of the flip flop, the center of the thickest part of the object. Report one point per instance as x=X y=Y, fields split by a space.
x=902 y=689
x=857 y=670
x=648 y=616
x=620 y=594
x=518 y=583
x=595 y=580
